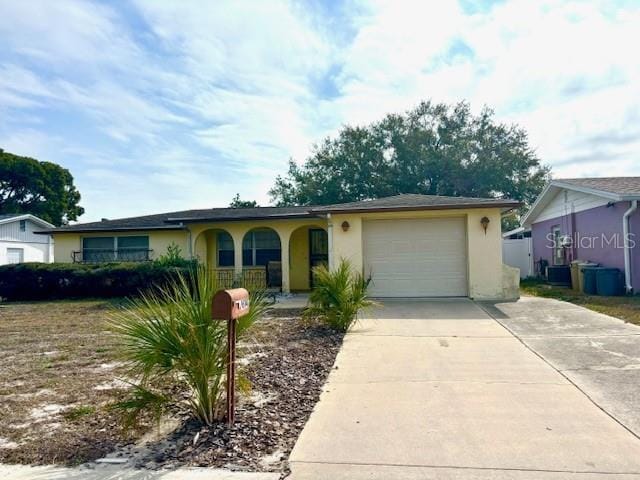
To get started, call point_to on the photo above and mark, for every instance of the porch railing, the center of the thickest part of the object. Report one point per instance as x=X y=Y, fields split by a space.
x=252 y=278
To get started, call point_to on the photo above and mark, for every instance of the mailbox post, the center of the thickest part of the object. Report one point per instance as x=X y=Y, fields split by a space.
x=230 y=305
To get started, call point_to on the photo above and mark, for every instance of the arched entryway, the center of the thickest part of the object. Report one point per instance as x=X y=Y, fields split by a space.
x=262 y=258
x=215 y=249
x=308 y=247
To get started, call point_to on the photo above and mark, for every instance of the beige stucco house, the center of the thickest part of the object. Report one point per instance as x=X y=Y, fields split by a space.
x=410 y=245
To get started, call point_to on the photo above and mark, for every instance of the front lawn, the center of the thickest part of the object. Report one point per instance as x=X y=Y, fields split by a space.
x=61 y=373
x=626 y=308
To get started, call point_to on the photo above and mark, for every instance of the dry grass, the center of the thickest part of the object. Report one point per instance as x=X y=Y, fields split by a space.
x=59 y=374
x=626 y=308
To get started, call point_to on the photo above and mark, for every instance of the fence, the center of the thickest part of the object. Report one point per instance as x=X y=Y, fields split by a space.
x=518 y=253
x=253 y=278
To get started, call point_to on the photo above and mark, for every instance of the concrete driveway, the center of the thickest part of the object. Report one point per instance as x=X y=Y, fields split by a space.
x=441 y=390
x=600 y=354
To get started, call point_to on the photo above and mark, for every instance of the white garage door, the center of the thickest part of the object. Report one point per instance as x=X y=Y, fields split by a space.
x=416 y=257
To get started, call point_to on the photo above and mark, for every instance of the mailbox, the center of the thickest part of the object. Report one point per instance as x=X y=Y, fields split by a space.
x=230 y=304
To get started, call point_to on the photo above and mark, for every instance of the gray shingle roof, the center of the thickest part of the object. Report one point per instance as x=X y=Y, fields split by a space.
x=623 y=186
x=173 y=220
x=409 y=201
x=4 y=216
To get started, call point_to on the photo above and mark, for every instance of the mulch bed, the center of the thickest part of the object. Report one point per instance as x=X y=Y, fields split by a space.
x=285 y=360
x=290 y=361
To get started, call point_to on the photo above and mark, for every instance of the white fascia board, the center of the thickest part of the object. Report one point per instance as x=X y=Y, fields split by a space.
x=27 y=216
x=592 y=191
x=537 y=205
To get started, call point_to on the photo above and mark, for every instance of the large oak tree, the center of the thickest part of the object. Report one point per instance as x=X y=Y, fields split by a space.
x=43 y=189
x=434 y=149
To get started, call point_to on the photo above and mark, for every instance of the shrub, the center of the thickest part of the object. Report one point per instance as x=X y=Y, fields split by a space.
x=48 y=281
x=169 y=341
x=174 y=258
x=338 y=295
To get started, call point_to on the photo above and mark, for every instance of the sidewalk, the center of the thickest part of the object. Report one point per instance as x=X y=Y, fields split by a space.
x=113 y=472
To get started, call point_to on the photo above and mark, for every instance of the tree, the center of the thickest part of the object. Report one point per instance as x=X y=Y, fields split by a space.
x=434 y=149
x=43 y=189
x=237 y=203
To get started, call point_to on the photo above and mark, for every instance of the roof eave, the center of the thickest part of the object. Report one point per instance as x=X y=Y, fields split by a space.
x=113 y=229
x=408 y=208
x=28 y=216
x=533 y=212
x=593 y=191
x=240 y=219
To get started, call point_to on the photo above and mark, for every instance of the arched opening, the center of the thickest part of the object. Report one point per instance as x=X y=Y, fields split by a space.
x=262 y=258
x=308 y=247
x=215 y=249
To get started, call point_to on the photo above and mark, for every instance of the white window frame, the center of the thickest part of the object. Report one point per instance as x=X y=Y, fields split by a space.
x=557 y=247
x=20 y=252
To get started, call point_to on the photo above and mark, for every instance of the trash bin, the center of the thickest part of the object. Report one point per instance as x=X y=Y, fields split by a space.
x=589 y=280
x=581 y=266
x=575 y=274
x=609 y=282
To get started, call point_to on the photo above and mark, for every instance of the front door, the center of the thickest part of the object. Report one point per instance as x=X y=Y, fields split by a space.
x=318 y=250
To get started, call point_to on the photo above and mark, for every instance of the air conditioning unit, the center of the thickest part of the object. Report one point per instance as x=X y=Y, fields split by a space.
x=559 y=275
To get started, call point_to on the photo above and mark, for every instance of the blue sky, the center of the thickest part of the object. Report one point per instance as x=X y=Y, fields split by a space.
x=166 y=105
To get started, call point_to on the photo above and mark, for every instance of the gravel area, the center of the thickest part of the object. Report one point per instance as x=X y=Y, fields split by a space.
x=284 y=363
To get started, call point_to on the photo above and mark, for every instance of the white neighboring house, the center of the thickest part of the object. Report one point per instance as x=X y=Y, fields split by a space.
x=18 y=241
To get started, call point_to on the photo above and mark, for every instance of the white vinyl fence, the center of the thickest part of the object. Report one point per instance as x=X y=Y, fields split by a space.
x=518 y=253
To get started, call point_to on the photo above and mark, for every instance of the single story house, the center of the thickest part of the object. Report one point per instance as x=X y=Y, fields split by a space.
x=19 y=243
x=590 y=219
x=410 y=245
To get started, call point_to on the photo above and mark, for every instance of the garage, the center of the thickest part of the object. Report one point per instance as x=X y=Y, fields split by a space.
x=421 y=257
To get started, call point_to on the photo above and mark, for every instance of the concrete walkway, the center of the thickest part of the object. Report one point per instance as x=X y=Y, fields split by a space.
x=440 y=390
x=114 y=472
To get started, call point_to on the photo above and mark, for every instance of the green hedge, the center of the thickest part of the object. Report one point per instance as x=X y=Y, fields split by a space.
x=46 y=281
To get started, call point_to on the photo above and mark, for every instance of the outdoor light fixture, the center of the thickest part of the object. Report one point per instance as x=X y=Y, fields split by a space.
x=484 y=221
x=345 y=226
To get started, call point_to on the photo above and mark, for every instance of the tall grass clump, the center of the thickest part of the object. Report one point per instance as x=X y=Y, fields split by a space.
x=170 y=343
x=338 y=295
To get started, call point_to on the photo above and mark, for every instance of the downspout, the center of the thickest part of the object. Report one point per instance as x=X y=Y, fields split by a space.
x=190 y=244
x=330 y=241
x=627 y=246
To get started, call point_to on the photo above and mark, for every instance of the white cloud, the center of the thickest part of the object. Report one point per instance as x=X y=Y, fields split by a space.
x=206 y=99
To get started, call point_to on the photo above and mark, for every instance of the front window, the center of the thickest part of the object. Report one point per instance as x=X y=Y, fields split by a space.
x=98 y=249
x=260 y=247
x=23 y=225
x=111 y=249
x=225 y=250
x=132 y=249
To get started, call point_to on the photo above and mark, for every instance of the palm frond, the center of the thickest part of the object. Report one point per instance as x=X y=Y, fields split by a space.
x=169 y=334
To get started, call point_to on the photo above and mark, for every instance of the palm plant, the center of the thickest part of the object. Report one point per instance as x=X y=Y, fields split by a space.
x=168 y=338
x=338 y=295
